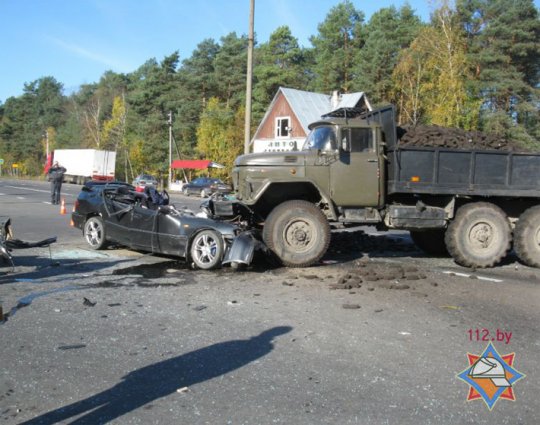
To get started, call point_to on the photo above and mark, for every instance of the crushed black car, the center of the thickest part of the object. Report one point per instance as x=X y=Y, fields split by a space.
x=115 y=212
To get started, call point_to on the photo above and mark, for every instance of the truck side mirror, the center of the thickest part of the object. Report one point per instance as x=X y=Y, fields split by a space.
x=345 y=146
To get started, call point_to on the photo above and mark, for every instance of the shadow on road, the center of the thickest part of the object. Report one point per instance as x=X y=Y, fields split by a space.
x=164 y=378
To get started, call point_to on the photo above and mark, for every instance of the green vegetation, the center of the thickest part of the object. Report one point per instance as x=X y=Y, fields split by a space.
x=475 y=66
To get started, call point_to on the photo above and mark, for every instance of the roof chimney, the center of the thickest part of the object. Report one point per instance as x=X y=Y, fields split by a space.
x=334 y=100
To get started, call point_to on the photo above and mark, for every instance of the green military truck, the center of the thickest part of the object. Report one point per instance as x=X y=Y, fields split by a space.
x=473 y=204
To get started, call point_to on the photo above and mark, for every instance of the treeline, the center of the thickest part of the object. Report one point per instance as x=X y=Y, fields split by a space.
x=475 y=66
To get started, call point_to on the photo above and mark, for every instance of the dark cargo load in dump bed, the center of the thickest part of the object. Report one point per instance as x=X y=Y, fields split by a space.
x=413 y=168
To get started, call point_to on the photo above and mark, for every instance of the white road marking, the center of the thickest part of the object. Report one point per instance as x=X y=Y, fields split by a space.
x=489 y=279
x=38 y=190
x=21 y=197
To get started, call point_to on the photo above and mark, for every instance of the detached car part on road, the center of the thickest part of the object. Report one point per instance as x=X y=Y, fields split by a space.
x=117 y=213
x=8 y=243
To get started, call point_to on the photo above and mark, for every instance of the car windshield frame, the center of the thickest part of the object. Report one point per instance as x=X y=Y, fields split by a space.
x=321 y=138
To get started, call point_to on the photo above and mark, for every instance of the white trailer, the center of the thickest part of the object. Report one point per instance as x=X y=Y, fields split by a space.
x=83 y=165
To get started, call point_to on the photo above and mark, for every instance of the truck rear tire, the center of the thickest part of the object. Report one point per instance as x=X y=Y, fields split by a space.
x=430 y=241
x=297 y=232
x=527 y=237
x=479 y=236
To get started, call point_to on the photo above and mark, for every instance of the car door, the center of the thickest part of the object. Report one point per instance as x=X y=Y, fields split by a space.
x=143 y=228
x=116 y=213
x=193 y=186
x=355 y=176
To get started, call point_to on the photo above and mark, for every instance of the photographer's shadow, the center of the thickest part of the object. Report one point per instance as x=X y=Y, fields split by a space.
x=161 y=379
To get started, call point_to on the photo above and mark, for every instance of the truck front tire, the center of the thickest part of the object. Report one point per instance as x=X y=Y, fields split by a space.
x=297 y=232
x=430 y=241
x=527 y=237
x=479 y=236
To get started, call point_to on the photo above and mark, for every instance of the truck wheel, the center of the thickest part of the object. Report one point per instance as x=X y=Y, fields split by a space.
x=207 y=249
x=430 y=241
x=297 y=232
x=527 y=237
x=94 y=233
x=479 y=235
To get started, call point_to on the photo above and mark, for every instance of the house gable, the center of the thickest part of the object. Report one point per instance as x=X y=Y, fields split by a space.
x=280 y=108
x=285 y=125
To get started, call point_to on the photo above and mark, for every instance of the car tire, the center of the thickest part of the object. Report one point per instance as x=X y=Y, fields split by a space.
x=207 y=249
x=479 y=236
x=94 y=233
x=297 y=232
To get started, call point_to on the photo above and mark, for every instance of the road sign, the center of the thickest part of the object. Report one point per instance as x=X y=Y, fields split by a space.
x=1 y=161
x=15 y=165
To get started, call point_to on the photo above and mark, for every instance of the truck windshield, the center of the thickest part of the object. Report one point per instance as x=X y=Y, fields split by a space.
x=323 y=138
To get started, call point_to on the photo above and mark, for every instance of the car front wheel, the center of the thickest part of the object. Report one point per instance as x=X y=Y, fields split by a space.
x=94 y=233
x=207 y=250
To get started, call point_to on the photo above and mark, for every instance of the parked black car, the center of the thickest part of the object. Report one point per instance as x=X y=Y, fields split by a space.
x=205 y=186
x=116 y=212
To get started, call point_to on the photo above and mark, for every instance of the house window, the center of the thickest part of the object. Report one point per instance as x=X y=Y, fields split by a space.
x=282 y=126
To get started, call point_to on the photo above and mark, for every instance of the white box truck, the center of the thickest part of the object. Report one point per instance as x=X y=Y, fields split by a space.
x=83 y=165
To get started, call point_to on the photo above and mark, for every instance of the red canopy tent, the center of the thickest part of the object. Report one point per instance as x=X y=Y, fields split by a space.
x=194 y=164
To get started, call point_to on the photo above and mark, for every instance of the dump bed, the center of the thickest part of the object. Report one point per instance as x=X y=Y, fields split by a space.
x=440 y=171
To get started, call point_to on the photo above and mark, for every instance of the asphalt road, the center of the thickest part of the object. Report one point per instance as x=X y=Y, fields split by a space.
x=376 y=334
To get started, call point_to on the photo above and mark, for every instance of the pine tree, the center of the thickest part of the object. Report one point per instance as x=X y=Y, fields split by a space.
x=279 y=62
x=505 y=52
x=335 y=48
x=388 y=32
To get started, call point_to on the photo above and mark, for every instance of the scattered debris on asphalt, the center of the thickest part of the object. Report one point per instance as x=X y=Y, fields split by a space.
x=351 y=306
x=88 y=303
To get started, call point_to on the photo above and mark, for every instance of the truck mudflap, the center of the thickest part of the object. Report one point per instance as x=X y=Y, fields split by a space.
x=242 y=249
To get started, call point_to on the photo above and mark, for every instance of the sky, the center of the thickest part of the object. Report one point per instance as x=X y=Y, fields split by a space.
x=76 y=41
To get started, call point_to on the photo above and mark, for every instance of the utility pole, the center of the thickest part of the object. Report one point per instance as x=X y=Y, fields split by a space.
x=169 y=121
x=47 y=143
x=249 y=74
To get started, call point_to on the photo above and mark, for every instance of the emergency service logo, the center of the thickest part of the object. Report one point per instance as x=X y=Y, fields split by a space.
x=491 y=376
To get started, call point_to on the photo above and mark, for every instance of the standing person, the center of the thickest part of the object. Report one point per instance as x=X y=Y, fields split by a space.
x=56 y=176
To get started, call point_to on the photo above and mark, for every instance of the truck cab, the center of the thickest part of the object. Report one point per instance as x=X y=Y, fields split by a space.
x=340 y=167
x=337 y=176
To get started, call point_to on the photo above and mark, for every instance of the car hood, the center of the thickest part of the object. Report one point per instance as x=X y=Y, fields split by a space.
x=271 y=158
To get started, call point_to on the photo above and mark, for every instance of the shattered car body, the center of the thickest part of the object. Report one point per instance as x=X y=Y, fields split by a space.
x=116 y=212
